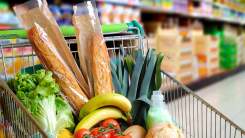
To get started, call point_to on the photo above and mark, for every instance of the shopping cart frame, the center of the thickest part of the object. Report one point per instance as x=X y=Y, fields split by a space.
x=183 y=103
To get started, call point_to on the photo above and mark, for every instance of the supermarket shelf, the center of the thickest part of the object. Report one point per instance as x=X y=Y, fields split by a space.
x=155 y=9
x=120 y=3
x=152 y=9
x=213 y=79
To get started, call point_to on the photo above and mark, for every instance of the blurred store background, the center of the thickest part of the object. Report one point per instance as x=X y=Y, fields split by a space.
x=200 y=38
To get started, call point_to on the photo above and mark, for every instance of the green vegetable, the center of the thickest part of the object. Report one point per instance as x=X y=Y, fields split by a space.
x=64 y=117
x=144 y=75
x=158 y=77
x=40 y=95
x=129 y=62
x=125 y=82
x=144 y=90
x=135 y=76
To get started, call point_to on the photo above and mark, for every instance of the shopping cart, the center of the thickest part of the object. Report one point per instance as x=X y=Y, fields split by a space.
x=191 y=113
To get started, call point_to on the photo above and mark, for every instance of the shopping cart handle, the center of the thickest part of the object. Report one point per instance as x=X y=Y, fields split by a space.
x=69 y=31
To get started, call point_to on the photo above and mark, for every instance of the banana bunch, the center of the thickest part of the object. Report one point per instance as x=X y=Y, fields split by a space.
x=101 y=107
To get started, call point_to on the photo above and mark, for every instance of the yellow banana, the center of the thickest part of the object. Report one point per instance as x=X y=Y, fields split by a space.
x=99 y=115
x=109 y=99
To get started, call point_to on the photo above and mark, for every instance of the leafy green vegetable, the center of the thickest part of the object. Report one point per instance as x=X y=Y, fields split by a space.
x=64 y=117
x=158 y=77
x=136 y=76
x=40 y=95
x=144 y=90
x=129 y=62
x=125 y=82
x=132 y=92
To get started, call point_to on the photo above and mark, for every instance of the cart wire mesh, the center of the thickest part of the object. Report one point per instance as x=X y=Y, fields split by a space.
x=195 y=117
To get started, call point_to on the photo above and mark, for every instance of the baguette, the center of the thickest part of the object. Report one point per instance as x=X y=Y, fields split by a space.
x=100 y=66
x=52 y=60
x=35 y=11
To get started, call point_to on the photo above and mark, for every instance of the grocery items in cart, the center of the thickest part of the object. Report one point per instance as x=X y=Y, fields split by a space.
x=158 y=112
x=135 y=74
x=39 y=93
x=93 y=55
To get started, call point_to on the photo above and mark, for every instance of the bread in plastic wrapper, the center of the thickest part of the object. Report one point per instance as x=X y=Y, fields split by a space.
x=52 y=60
x=37 y=11
x=93 y=54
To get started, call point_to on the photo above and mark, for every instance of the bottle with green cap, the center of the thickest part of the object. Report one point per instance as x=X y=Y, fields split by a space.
x=158 y=112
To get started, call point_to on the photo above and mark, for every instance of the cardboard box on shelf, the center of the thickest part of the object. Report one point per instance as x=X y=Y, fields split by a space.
x=178 y=51
x=207 y=53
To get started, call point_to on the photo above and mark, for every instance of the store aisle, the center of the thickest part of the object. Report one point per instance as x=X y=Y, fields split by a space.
x=228 y=96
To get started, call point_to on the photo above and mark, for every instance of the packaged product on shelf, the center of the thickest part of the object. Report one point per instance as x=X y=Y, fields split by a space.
x=105 y=12
x=93 y=54
x=178 y=51
x=10 y=66
x=119 y=14
x=228 y=48
x=51 y=48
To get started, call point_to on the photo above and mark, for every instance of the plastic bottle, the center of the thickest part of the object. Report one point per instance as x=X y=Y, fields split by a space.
x=158 y=112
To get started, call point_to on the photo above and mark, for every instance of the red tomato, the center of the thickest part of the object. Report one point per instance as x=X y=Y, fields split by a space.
x=112 y=132
x=104 y=135
x=82 y=133
x=97 y=131
x=110 y=123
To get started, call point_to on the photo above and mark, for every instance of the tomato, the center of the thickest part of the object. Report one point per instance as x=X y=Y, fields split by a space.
x=112 y=132
x=97 y=131
x=110 y=123
x=82 y=133
x=104 y=135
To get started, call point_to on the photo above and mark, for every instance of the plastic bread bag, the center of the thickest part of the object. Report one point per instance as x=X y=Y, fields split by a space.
x=52 y=60
x=93 y=54
x=37 y=11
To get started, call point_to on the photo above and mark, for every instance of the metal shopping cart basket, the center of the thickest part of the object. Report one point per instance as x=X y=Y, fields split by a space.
x=191 y=113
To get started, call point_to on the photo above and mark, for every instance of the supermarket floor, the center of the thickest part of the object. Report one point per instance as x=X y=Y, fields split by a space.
x=228 y=96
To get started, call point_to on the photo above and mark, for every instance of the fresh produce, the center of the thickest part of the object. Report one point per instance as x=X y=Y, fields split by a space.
x=97 y=131
x=99 y=115
x=167 y=130
x=144 y=76
x=110 y=123
x=109 y=99
x=108 y=128
x=135 y=131
x=40 y=95
x=82 y=133
x=64 y=133
x=52 y=59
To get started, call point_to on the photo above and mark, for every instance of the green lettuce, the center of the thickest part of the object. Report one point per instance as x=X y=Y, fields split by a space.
x=39 y=93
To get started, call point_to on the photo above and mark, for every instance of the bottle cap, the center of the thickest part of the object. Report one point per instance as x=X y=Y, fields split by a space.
x=157 y=98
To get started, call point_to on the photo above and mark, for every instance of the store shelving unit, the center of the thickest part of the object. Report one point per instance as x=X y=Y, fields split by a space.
x=157 y=9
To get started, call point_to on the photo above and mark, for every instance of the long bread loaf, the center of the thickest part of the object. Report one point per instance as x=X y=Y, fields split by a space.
x=52 y=60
